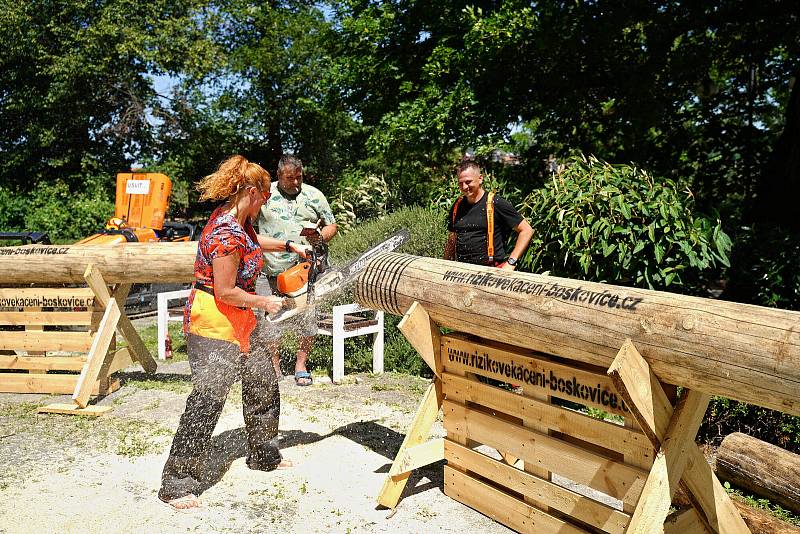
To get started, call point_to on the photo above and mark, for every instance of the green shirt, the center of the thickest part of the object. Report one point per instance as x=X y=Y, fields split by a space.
x=284 y=218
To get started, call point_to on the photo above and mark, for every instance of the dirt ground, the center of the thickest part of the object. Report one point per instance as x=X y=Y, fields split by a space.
x=76 y=474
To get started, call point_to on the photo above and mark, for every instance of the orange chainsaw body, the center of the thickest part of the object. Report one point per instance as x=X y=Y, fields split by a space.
x=294 y=280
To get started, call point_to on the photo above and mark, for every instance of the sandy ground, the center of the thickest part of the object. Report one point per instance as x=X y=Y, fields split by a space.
x=77 y=474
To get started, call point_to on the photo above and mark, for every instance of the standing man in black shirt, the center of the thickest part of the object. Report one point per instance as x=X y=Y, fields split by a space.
x=479 y=237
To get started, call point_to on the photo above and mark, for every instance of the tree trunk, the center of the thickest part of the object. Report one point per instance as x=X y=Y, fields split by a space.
x=779 y=187
x=124 y=262
x=761 y=468
x=740 y=351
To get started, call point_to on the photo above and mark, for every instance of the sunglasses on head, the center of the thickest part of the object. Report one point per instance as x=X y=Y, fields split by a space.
x=266 y=194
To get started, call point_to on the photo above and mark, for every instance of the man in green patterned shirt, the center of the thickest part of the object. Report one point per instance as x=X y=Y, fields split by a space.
x=292 y=205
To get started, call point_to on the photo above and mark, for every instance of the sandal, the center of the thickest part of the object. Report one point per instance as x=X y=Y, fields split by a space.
x=303 y=375
x=187 y=504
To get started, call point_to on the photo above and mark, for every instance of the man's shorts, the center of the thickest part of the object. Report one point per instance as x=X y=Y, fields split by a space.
x=304 y=323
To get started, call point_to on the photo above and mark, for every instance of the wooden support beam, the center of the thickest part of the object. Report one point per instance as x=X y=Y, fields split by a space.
x=417 y=433
x=685 y=522
x=137 y=347
x=649 y=405
x=97 y=354
x=72 y=409
x=420 y=455
x=670 y=463
x=57 y=384
x=424 y=336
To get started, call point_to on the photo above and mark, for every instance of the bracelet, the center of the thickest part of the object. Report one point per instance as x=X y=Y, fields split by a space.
x=288 y=245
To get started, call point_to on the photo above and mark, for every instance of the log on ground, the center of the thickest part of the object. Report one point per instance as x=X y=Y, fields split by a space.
x=761 y=468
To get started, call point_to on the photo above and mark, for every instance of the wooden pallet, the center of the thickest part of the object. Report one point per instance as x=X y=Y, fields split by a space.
x=68 y=320
x=519 y=452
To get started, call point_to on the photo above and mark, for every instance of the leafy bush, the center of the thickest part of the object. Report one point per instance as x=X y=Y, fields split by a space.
x=618 y=223
x=426 y=226
x=428 y=235
x=764 y=268
x=446 y=192
x=360 y=199
x=725 y=416
x=65 y=215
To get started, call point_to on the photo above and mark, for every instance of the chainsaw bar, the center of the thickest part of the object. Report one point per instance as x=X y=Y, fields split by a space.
x=335 y=279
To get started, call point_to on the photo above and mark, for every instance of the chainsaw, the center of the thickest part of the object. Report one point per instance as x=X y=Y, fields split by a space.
x=314 y=277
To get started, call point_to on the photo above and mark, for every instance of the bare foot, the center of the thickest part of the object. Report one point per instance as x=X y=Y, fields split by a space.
x=187 y=503
x=285 y=464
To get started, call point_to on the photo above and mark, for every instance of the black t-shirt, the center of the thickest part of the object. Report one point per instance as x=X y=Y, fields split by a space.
x=471 y=229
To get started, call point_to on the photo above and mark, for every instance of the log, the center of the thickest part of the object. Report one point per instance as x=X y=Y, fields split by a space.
x=740 y=351
x=761 y=468
x=120 y=263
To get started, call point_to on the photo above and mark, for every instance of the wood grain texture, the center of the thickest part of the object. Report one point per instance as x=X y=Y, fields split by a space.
x=744 y=352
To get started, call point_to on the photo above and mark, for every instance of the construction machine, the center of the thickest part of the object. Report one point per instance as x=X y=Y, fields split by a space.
x=140 y=207
x=139 y=210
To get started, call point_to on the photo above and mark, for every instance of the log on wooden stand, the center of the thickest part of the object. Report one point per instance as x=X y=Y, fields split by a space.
x=761 y=468
x=743 y=352
x=120 y=263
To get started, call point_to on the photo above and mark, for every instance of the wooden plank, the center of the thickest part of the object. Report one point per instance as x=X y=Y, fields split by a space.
x=671 y=461
x=46 y=297
x=39 y=363
x=48 y=318
x=423 y=335
x=120 y=360
x=97 y=354
x=573 y=504
x=56 y=384
x=418 y=432
x=46 y=341
x=71 y=409
x=534 y=374
x=613 y=478
x=641 y=388
x=684 y=522
x=420 y=455
x=602 y=433
x=636 y=380
x=501 y=507
x=137 y=347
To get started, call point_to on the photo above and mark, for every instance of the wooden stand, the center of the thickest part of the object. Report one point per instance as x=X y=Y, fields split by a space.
x=98 y=323
x=520 y=454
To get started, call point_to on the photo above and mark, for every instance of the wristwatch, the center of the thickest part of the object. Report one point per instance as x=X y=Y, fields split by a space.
x=511 y=261
x=288 y=245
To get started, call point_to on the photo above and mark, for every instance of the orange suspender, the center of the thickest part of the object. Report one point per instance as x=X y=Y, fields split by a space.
x=489 y=222
x=490 y=226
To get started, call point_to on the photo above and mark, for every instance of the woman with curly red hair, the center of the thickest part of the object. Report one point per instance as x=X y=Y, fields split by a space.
x=218 y=323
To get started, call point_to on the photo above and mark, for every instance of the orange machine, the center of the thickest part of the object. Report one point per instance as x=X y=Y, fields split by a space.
x=141 y=203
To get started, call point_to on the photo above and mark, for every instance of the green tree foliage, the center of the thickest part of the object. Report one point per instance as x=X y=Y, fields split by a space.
x=268 y=96
x=619 y=223
x=77 y=102
x=690 y=90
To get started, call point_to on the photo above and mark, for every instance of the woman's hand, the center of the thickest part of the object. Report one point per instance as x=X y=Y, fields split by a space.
x=302 y=250
x=271 y=304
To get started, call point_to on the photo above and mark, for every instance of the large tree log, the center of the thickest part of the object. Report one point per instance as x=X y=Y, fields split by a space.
x=121 y=263
x=762 y=468
x=744 y=352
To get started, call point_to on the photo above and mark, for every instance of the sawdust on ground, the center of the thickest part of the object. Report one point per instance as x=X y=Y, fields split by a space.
x=76 y=474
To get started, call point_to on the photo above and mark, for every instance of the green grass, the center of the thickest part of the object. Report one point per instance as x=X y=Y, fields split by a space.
x=759 y=503
x=149 y=336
